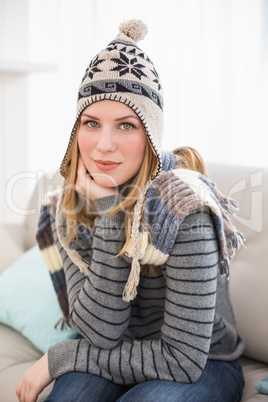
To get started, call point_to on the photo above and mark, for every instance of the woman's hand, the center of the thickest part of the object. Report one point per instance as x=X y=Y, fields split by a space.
x=35 y=379
x=89 y=187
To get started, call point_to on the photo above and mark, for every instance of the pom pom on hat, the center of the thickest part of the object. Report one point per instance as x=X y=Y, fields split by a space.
x=134 y=29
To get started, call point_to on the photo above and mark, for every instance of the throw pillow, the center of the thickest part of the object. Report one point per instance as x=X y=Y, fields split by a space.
x=29 y=303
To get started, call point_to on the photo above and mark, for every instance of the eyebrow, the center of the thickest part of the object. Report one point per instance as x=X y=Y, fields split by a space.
x=127 y=117
x=119 y=119
x=89 y=116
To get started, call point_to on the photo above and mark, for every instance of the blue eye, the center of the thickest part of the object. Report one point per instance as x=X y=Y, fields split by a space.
x=126 y=126
x=92 y=123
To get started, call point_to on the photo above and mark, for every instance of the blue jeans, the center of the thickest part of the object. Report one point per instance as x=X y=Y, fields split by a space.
x=220 y=381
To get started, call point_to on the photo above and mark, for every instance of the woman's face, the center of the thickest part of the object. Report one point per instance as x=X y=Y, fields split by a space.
x=112 y=142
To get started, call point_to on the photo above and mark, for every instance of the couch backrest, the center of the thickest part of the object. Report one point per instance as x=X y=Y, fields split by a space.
x=11 y=250
x=48 y=183
x=249 y=268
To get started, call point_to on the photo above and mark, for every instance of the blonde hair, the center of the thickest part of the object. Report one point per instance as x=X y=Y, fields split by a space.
x=189 y=158
x=85 y=212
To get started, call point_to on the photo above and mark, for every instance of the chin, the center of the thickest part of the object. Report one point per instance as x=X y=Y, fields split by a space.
x=104 y=180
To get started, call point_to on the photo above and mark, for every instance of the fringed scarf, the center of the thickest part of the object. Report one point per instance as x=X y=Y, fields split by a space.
x=169 y=198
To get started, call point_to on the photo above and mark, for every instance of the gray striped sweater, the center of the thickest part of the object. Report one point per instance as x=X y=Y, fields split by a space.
x=181 y=317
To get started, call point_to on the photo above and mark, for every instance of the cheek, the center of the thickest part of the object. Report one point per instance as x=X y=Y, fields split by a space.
x=136 y=150
x=84 y=143
x=85 y=146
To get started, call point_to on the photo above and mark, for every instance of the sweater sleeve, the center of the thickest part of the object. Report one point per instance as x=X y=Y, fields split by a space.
x=181 y=351
x=96 y=308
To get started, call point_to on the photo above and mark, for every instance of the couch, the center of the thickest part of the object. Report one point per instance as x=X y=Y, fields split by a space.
x=248 y=281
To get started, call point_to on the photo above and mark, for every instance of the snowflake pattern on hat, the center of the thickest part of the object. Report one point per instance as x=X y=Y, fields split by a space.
x=127 y=65
x=125 y=47
x=93 y=68
x=157 y=81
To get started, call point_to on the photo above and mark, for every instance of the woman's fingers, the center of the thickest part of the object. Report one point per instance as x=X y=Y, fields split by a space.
x=81 y=168
x=98 y=186
x=83 y=179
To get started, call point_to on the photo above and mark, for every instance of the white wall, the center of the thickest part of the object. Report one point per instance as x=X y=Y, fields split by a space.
x=13 y=95
x=210 y=55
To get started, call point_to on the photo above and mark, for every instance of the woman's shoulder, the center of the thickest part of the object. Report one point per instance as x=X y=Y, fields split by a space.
x=184 y=190
x=184 y=176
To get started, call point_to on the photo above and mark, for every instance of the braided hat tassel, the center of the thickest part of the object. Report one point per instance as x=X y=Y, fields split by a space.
x=73 y=254
x=130 y=291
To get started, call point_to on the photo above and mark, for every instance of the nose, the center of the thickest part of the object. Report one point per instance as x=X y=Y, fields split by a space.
x=106 y=141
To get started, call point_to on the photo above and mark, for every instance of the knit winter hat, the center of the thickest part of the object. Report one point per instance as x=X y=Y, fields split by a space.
x=124 y=73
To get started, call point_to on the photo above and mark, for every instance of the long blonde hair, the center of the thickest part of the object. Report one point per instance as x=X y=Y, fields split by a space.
x=85 y=212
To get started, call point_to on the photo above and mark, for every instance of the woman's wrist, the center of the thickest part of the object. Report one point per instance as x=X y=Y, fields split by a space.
x=105 y=206
x=108 y=203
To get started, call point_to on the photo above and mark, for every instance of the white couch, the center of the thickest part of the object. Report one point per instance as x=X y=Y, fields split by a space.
x=248 y=283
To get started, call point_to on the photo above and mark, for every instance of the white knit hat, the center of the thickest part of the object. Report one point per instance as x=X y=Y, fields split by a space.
x=124 y=73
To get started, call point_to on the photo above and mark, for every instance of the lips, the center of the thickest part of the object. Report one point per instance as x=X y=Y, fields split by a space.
x=106 y=165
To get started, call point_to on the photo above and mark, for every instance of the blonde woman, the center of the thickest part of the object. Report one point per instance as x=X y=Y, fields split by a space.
x=138 y=243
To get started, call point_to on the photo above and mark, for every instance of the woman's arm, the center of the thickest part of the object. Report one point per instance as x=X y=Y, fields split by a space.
x=181 y=352
x=96 y=308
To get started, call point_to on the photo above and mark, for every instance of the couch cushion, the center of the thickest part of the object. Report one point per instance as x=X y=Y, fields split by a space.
x=15 y=348
x=253 y=371
x=17 y=355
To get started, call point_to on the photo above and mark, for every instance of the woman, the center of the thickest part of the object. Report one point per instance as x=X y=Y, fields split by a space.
x=137 y=244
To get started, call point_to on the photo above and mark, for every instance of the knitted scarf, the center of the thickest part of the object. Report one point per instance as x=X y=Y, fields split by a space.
x=169 y=198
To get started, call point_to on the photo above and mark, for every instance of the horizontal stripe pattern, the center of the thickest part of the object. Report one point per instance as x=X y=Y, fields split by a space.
x=101 y=291
x=167 y=332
